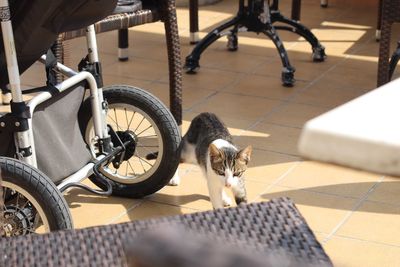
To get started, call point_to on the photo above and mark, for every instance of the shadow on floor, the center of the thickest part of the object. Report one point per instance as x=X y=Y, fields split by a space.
x=299 y=196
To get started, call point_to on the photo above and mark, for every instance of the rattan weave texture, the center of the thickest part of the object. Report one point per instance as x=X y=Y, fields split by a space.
x=265 y=227
x=390 y=14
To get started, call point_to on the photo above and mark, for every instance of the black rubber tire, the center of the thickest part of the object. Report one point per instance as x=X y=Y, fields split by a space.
x=167 y=126
x=41 y=188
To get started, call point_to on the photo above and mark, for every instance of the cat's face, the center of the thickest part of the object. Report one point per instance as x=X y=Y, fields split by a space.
x=229 y=164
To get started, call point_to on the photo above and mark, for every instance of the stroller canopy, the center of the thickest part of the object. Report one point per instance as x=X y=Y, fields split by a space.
x=37 y=23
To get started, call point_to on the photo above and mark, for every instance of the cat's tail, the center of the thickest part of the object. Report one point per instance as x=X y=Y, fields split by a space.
x=152 y=156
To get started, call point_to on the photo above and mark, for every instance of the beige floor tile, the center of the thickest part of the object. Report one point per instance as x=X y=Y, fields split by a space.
x=242 y=60
x=295 y=115
x=209 y=79
x=346 y=252
x=375 y=222
x=263 y=86
x=189 y=97
x=235 y=126
x=387 y=191
x=322 y=212
x=327 y=95
x=330 y=179
x=235 y=106
x=253 y=189
x=250 y=44
x=90 y=210
x=272 y=137
x=112 y=79
x=350 y=78
x=192 y=192
x=149 y=209
x=139 y=68
x=306 y=70
x=267 y=167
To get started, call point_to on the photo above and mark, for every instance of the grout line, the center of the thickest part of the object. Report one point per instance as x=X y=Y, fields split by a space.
x=294 y=157
x=126 y=212
x=318 y=192
x=350 y=213
x=279 y=152
x=221 y=90
x=368 y=241
x=278 y=180
x=175 y=205
x=284 y=125
x=287 y=101
x=204 y=100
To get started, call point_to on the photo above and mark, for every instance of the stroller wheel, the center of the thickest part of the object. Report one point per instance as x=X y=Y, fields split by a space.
x=138 y=117
x=32 y=203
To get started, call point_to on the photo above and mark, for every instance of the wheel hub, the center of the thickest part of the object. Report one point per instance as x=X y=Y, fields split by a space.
x=18 y=221
x=126 y=136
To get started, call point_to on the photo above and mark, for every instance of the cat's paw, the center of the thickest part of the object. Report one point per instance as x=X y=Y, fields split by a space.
x=175 y=180
x=226 y=201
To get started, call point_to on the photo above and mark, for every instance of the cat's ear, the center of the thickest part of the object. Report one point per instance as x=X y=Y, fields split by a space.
x=215 y=153
x=245 y=154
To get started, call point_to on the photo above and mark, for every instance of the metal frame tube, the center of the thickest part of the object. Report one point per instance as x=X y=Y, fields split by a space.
x=94 y=59
x=10 y=52
x=23 y=139
x=68 y=83
x=81 y=174
x=92 y=44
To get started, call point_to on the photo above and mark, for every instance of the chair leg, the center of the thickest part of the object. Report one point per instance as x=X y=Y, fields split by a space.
x=324 y=3
x=288 y=71
x=296 y=9
x=379 y=21
x=318 y=50
x=174 y=60
x=194 y=21
x=394 y=60
x=192 y=60
x=123 y=45
x=384 y=48
x=60 y=53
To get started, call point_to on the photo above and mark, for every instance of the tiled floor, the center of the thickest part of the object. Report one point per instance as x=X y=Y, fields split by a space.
x=356 y=215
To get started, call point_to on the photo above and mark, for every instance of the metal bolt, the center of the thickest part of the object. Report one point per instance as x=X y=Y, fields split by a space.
x=17 y=123
x=2 y=124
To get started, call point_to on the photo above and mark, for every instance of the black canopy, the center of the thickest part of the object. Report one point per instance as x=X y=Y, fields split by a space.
x=37 y=23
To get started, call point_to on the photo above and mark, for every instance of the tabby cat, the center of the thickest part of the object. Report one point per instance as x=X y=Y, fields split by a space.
x=208 y=143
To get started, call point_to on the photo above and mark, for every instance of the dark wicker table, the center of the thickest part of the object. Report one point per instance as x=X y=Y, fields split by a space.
x=265 y=227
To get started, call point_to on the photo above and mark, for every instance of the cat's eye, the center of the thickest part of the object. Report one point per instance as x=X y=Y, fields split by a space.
x=238 y=174
x=220 y=172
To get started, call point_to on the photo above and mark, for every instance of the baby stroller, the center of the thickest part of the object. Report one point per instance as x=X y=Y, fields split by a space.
x=73 y=129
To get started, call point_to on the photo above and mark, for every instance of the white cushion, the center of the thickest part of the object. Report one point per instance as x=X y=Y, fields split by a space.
x=363 y=133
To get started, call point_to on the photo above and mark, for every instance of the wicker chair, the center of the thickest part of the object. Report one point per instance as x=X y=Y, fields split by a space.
x=390 y=14
x=1 y=208
x=152 y=11
x=275 y=226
